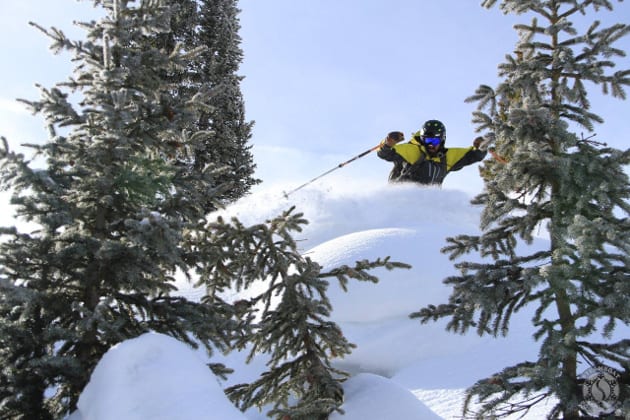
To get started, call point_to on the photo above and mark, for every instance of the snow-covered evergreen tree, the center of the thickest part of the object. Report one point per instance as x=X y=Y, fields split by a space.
x=110 y=206
x=119 y=206
x=213 y=26
x=292 y=325
x=546 y=176
x=218 y=67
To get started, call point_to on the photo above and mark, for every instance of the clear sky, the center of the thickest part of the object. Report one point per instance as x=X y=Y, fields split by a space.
x=324 y=79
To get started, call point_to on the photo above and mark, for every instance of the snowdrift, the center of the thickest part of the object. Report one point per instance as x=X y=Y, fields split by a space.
x=154 y=377
x=398 y=363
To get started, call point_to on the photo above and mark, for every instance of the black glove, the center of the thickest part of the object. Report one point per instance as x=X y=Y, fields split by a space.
x=396 y=136
x=481 y=143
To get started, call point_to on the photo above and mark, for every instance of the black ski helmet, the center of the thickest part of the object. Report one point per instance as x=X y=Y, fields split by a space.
x=433 y=128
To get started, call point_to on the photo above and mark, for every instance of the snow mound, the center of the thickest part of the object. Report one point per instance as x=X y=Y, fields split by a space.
x=375 y=315
x=399 y=291
x=129 y=383
x=335 y=212
x=373 y=397
x=399 y=367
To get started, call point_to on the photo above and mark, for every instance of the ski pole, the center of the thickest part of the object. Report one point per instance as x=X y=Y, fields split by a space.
x=341 y=165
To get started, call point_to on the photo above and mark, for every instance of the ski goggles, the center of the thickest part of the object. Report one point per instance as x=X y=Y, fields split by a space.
x=432 y=141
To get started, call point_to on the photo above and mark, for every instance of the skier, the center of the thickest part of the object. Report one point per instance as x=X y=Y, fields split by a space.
x=424 y=159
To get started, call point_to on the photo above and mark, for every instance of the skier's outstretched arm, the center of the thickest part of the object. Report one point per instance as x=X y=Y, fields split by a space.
x=387 y=151
x=474 y=154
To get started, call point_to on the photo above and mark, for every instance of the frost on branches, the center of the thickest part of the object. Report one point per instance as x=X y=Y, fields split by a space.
x=545 y=177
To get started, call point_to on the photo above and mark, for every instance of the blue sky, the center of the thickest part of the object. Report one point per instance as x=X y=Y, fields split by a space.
x=324 y=80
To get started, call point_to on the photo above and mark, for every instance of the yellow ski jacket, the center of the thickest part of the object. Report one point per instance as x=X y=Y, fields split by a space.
x=412 y=161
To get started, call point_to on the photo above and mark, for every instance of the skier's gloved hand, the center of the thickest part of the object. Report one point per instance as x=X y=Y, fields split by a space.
x=481 y=143
x=394 y=137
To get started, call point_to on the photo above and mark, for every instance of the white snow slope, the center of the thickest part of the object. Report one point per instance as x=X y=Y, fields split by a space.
x=400 y=370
